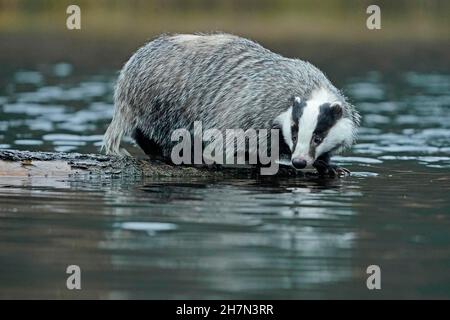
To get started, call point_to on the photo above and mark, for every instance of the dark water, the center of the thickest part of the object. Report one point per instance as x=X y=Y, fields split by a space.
x=229 y=238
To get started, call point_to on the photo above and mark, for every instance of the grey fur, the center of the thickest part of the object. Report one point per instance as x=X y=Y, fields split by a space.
x=222 y=80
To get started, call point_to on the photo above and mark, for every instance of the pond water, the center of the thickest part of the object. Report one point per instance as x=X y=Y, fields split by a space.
x=230 y=237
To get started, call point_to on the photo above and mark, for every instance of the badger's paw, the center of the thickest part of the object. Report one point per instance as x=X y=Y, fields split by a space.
x=327 y=169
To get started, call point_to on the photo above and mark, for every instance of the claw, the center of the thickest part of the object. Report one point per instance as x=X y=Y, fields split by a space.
x=324 y=168
x=342 y=171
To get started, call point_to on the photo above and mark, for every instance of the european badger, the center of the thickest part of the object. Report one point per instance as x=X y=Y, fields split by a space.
x=229 y=82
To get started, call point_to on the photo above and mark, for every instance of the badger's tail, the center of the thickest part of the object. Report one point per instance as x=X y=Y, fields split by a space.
x=120 y=126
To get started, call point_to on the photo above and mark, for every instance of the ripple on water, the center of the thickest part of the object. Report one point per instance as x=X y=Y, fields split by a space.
x=432 y=82
x=421 y=149
x=62 y=69
x=363 y=174
x=71 y=137
x=29 y=77
x=374 y=119
x=422 y=120
x=363 y=160
x=28 y=142
x=83 y=92
x=379 y=107
x=33 y=109
x=366 y=90
x=430 y=161
x=151 y=228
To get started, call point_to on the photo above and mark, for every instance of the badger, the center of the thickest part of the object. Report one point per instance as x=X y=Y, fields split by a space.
x=227 y=81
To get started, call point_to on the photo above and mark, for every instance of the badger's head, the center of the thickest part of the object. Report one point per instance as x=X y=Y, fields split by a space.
x=311 y=128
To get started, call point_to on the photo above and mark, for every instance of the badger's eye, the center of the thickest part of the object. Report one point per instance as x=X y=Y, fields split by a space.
x=317 y=139
x=294 y=132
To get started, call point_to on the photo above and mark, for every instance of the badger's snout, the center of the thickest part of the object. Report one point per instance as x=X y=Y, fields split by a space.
x=299 y=163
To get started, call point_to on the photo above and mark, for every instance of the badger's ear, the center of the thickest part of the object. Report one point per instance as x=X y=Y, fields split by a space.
x=297 y=108
x=336 y=110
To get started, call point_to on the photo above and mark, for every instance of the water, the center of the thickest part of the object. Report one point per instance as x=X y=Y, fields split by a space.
x=229 y=237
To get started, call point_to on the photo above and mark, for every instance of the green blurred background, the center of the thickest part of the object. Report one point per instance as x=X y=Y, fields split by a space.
x=331 y=32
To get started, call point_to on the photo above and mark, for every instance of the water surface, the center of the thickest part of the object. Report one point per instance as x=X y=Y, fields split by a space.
x=231 y=237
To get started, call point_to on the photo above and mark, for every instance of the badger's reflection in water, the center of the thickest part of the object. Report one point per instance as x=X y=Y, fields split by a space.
x=233 y=236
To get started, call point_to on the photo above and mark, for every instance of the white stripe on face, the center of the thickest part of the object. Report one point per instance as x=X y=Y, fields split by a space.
x=306 y=126
x=285 y=121
x=341 y=134
x=308 y=123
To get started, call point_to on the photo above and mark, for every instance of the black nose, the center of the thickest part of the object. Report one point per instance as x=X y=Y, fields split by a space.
x=299 y=163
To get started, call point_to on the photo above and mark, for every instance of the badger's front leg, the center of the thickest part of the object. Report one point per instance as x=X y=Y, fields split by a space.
x=324 y=167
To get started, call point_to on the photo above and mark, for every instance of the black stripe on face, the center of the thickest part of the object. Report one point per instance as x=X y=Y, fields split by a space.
x=294 y=135
x=328 y=116
x=297 y=112
x=283 y=148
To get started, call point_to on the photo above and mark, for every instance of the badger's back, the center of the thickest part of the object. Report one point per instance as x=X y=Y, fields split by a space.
x=222 y=80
